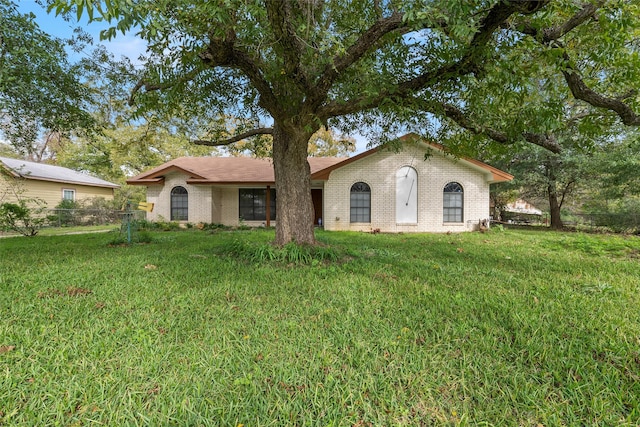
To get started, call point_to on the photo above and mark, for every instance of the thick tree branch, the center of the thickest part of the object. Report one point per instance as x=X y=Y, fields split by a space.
x=357 y=50
x=469 y=62
x=579 y=89
x=151 y=87
x=547 y=142
x=547 y=35
x=280 y=16
x=223 y=52
x=565 y=191
x=236 y=138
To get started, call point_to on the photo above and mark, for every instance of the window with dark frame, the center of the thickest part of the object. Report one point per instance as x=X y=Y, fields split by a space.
x=452 y=203
x=179 y=204
x=360 y=202
x=253 y=204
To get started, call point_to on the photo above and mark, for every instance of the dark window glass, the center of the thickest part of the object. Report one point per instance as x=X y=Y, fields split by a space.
x=179 y=204
x=253 y=204
x=360 y=202
x=452 y=202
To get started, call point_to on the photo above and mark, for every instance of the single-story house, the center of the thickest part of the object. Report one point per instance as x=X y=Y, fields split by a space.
x=521 y=211
x=379 y=189
x=50 y=183
x=522 y=207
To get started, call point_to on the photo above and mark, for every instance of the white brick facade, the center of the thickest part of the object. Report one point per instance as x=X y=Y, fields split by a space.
x=379 y=169
x=201 y=199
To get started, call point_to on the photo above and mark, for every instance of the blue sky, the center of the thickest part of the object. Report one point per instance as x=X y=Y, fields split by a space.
x=123 y=45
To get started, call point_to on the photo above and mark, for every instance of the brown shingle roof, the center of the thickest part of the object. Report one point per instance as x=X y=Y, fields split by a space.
x=224 y=170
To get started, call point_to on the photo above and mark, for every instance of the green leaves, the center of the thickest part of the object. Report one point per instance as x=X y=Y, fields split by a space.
x=21 y=217
x=39 y=89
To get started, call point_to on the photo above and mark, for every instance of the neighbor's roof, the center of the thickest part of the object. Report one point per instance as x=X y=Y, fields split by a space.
x=45 y=172
x=245 y=170
x=224 y=170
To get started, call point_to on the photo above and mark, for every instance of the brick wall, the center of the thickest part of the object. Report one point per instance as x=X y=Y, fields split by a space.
x=201 y=197
x=379 y=170
x=206 y=204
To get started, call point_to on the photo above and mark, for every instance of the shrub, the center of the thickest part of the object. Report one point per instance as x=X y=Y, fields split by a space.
x=211 y=226
x=291 y=253
x=64 y=214
x=19 y=217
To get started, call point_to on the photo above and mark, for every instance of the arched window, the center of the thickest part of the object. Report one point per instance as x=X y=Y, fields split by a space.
x=179 y=204
x=360 y=202
x=452 y=202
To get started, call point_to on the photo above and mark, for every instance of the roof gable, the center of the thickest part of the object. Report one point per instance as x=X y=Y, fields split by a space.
x=496 y=175
x=45 y=172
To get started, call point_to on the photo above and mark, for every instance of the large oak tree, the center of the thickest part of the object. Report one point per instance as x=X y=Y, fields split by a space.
x=377 y=64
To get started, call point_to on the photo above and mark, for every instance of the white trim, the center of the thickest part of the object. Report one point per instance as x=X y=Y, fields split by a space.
x=72 y=190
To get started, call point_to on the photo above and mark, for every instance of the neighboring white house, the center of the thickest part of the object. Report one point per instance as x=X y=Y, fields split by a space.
x=375 y=190
x=522 y=207
x=521 y=211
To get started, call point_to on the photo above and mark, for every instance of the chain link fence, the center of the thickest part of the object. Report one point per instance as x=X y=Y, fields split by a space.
x=80 y=217
x=616 y=222
x=628 y=222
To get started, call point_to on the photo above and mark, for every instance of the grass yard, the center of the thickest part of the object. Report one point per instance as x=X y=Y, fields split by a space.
x=504 y=328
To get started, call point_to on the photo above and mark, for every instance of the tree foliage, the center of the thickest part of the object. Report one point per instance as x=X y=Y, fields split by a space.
x=324 y=143
x=39 y=88
x=127 y=149
x=384 y=66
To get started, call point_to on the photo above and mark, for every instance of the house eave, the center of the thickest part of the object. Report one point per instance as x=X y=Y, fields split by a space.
x=224 y=183
x=62 y=181
x=494 y=175
x=323 y=174
x=160 y=174
x=146 y=181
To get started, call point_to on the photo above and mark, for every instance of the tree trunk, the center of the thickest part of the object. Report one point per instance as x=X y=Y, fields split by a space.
x=554 y=208
x=551 y=165
x=294 y=208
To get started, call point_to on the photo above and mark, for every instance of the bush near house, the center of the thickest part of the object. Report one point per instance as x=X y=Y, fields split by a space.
x=91 y=211
x=23 y=217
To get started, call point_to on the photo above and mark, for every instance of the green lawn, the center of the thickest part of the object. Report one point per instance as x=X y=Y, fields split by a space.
x=504 y=328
